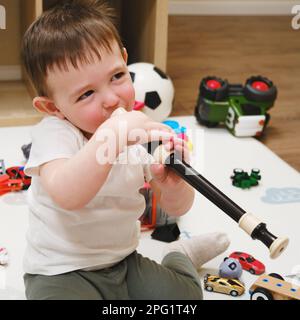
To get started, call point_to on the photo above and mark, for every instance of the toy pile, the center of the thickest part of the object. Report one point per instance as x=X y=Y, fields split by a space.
x=13 y=179
x=270 y=286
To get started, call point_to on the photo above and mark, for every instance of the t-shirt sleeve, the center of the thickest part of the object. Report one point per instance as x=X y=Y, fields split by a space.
x=52 y=139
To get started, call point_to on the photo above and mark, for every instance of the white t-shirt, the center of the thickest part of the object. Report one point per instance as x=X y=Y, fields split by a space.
x=99 y=235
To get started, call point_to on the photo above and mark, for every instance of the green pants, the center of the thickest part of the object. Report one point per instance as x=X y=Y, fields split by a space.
x=135 y=277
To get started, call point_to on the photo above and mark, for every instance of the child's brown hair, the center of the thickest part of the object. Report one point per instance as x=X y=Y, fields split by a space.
x=72 y=31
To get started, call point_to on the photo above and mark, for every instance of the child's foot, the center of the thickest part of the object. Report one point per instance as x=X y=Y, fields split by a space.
x=202 y=248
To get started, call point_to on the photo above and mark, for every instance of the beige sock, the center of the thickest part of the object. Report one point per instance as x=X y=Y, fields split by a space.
x=200 y=249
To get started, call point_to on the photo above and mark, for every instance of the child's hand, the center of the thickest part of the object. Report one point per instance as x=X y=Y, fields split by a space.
x=164 y=176
x=137 y=127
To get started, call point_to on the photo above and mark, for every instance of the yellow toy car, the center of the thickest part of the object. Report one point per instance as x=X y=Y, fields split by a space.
x=233 y=287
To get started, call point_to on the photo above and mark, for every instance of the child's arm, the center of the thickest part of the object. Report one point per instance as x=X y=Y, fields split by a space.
x=73 y=182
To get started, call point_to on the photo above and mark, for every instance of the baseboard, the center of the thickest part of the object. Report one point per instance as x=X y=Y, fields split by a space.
x=9 y=73
x=199 y=7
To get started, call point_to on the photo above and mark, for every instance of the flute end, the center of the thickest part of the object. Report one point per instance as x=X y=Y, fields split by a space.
x=278 y=247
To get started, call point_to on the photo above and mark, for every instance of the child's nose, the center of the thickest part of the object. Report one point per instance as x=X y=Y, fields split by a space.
x=111 y=100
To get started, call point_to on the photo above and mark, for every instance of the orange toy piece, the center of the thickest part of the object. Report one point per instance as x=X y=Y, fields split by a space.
x=148 y=219
x=8 y=185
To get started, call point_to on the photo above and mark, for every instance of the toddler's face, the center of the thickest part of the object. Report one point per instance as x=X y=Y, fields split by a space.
x=87 y=96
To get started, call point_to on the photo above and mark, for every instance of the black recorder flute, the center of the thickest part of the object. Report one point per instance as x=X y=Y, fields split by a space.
x=247 y=221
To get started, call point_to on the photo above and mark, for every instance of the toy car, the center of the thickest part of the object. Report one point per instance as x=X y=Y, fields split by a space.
x=233 y=287
x=248 y=262
x=243 y=180
x=273 y=287
x=243 y=109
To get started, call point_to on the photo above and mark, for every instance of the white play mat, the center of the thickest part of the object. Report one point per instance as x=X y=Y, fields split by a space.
x=276 y=200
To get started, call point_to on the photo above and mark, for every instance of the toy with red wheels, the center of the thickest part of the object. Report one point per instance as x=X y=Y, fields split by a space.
x=243 y=109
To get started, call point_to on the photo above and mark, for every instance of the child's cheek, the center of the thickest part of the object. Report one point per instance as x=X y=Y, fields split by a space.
x=93 y=117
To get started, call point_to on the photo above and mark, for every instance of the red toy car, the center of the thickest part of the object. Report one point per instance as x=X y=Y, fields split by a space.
x=248 y=262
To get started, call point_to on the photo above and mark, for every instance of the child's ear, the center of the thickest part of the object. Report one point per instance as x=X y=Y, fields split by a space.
x=46 y=105
x=125 y=55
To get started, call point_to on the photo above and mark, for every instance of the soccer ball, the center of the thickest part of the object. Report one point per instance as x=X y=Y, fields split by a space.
x=154 y=88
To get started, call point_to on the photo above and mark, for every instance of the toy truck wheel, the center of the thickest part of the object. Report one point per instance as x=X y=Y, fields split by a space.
x=238 y=170
x=261 y=294
x=206 y=123
x=234 y=293
x=260 y=89
x=276 y=275
x=252 y=271
x=213 y=88
x=198 y=110
x=209 y=288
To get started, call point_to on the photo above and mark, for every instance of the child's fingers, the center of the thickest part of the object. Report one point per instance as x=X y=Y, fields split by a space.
x=182 y=148
x=152 y=125
x=164 y=136
x=184 y=153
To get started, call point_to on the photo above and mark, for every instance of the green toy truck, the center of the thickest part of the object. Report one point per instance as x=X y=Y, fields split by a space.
x=243 y=109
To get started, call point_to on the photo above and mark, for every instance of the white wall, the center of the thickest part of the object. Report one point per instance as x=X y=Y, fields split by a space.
x=234 y=7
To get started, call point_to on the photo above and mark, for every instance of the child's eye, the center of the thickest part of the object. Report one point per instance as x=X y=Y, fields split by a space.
x=85 y=95
x=118 y=76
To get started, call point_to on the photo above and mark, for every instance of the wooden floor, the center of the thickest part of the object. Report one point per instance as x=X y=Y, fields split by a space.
x=236 y=48
x=16 y=105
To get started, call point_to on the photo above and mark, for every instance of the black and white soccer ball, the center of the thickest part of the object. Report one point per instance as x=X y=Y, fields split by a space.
x=154 y=88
